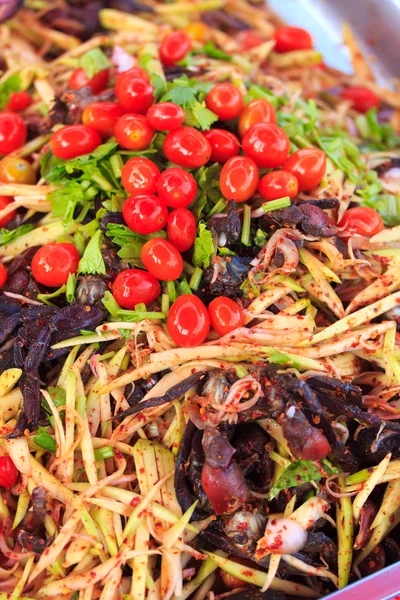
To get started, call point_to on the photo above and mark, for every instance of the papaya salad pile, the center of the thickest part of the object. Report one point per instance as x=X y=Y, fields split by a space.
x=200 y=296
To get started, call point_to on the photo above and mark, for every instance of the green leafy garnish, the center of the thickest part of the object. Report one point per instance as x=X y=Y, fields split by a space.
x=211 y=50
x=185 y=91
x=44 y=440
x=200 y=116
x=130 y=316
x=92 y=260
x=299 y=472
x=388 y=206
x=8 y=235
x=7 y=87
x=260 y=237
x=203 y=247
x=94 y=61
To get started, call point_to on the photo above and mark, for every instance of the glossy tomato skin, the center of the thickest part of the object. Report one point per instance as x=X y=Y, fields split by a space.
x=188 y=321
x=249 y=38
x=74 y=140
x=225 y=100
x=98 y=82
x=8 y=472
x=19 y=101
x=308 y=165
x=239 y=178
x=140 y=175
x=177 y=187
x=174 y=47
x=362 y=99
x=135 y=286
x=256 y=111
x=14 y=169
x=13 y=132
x=289 y=38
x=5 y=201
x=52 y=263
x=181 y=229
x=144 y=213
x=278 y=184
x=3 y=275
x=225 y=315
x=360 y=221
x=102 y=116
x=224 y=144
x=135 y=95
x=187 y=147
x=134 y=73
x=267 y=144
x=133 y=132
x=162 y=259
x=165 y=116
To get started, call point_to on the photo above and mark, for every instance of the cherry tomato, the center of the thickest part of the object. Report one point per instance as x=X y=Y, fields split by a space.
x=256 y=111
x=134 y=73
x=52 y=263
x=308 y=165
x=292 y=38
x=187 y=147
x=197 y=31
x=14 y=169
x=19 y=101
x=102 y=116
x=225 y=315
x=74 y=140
x=177 y=187
x=135 y=286
x=181 y=229
x=140 y=175
x=162 y=259
x=225 y=100
x=362 y=99
x=133 y=93
x=165 y=116
x=133 y=132
x=224 y=144
x=360 y=221
x=249 y=38
x=13 y=132
x=278 y=184
x=174 y=47
x=239 y=178
x=3 y=275
x=144 y=213
x=188 y=321
x=5 y=201
x=267 y=144
x=98 y=82
x=8 y=472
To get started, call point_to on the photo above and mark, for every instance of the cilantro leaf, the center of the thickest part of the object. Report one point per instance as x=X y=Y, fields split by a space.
x=211 y=50
x=94 y=61
x=299 y=472
x=53 y=169
x=203 y=247
x=44 y=440
x=11 y=84
x=185 y=91
x=204 y=117
x=64 y=201
x=8 y=235
x=92 y=259
x=260 y=237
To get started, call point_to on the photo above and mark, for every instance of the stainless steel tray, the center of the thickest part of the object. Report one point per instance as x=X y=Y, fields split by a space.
x=376 y=24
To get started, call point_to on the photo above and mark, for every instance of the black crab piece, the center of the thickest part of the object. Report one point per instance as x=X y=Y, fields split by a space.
x=227 y=226
x=310 y=218
x=231 y=273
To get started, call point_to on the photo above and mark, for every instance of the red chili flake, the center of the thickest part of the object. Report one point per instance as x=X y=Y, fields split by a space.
x=242 y=526
x=247 y=573
x=135 y=501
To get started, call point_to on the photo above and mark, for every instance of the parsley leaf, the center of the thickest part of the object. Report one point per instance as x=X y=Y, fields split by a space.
x=94 y=61
x=211 y=50
x=53 y=169
x=203 y=117
x=44 y=440
x=185 y=91
x=8 y=235
x=11 y=84
x=203 y=247
x=299 y=472
x=92 y=259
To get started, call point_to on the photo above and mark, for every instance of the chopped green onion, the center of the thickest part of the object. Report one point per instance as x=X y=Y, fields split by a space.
x=241 y=371
x=103 y=453
x=196 y=278
x=188 y=268
x=276 y=204
x=116 y=163
x=246 y=225
x=102 y=182
x=171 y=291
x=165 y=304
x=219 y=207
x=184 y=287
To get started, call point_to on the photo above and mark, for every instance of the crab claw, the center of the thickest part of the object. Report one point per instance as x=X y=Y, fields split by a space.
x=305 y=441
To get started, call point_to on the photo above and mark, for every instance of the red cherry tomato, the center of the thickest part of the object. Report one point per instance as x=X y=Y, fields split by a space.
x=362 y=99
x=19 y=101
x=188 y=321
x=181 y=229
x=140 y=175
x=225 y=315
x=256 y=111
x=225 y=100
x=224 y=144
x=98 y=82
x=5 y=201
x=3 y=275
x=187 y=147
x=239 y=178
x=102 y=117
x=134 y=286
x=134 y=73
x=162 y=259
x=133 y=132
x=144 y=213
x=308 y=165
x=133 y=93
x=267 y=144
x=174 y=47
x=8 y=472
x=13 y=132
x=248 y=39
x=74 y=140
x=278 y=184
x=165 y=116
x=177 y=187
x=52 y=263
x=292 y=38
x=360 y=221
